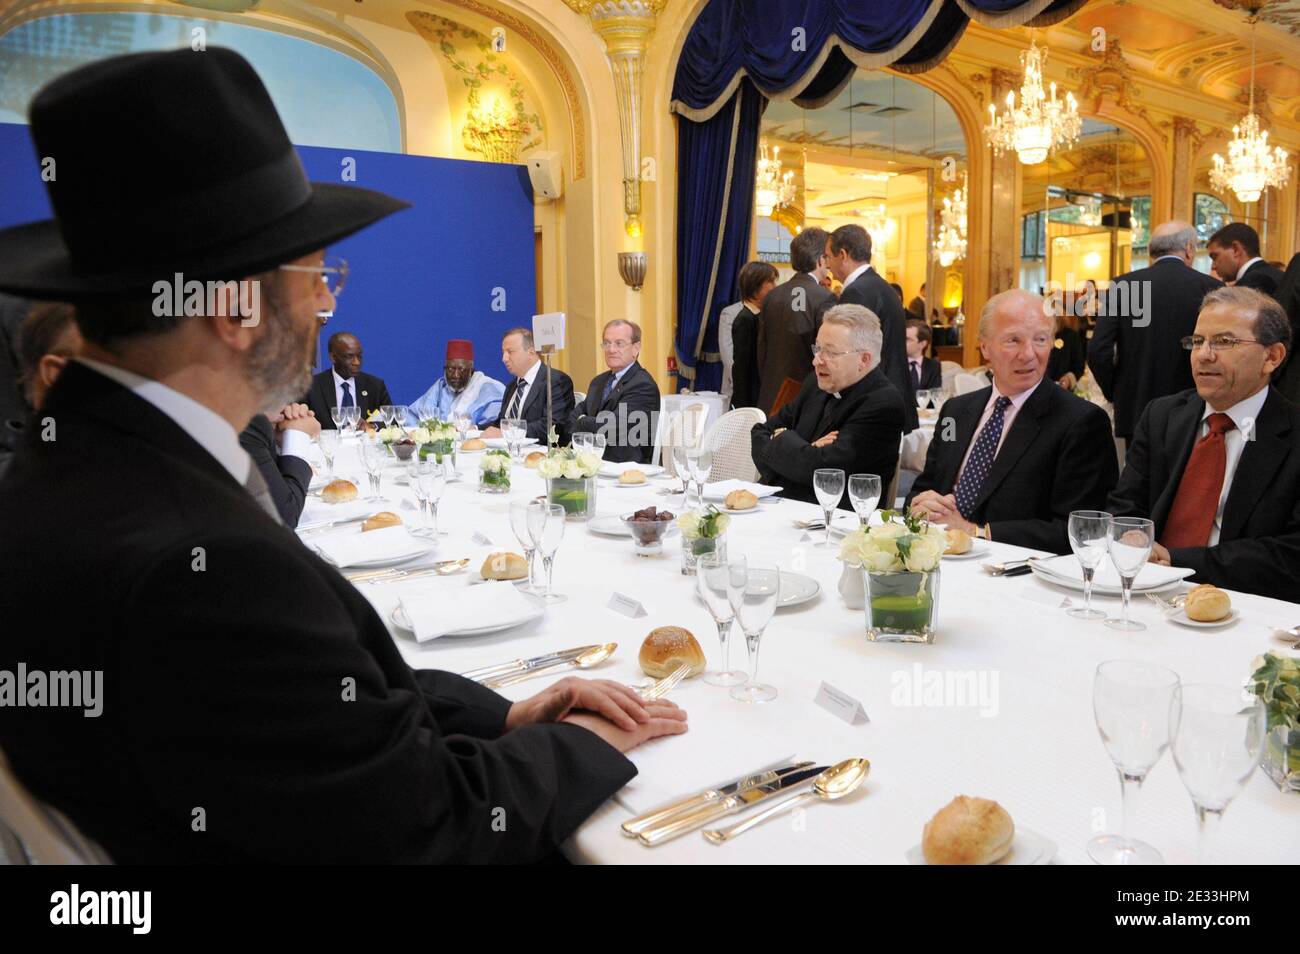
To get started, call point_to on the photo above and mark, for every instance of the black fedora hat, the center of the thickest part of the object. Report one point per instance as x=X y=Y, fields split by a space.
x=164 y=163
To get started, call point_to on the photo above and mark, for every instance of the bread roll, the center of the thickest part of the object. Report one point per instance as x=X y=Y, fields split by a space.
x=474 y=444
x=504 y=566
x=666 y=648
x=338 y=491
x=533 y=459
x=1207 y=604
x=385 y=518
x=959 y=541
x=631 y=477
x=968 y=831
x=740 y=500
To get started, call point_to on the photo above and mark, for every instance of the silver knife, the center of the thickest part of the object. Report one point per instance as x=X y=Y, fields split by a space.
x=711 y=811
x=313 y=527
x=768 y=773
x=525 y=665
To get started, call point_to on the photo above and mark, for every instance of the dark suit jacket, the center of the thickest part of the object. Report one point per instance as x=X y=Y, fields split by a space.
x=1287 y=378
x=534 y=409
x=872 y=291
x=1259 y=541
x=786 y=333
x=744 y=359
x=287 y=478
x=264 y=689
x=1058 y=456
x=931 y=373
x=869 y=418
x=627 y=418
x=1069 y=357
x=1262 y=277
x=369 y=392
x=1136 y=363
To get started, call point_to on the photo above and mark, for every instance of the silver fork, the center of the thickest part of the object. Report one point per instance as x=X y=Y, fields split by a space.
x=1168 y=605
x=665 y=685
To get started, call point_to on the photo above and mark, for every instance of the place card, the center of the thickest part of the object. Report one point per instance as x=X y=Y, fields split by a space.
x=841 y=704
x=626 y=605
x=548 y=332
x=482 y=539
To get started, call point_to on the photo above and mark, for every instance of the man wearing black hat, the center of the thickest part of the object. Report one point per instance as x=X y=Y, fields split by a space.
x=233 y=729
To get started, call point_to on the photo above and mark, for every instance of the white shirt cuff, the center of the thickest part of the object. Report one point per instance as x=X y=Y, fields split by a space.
x=294 y=443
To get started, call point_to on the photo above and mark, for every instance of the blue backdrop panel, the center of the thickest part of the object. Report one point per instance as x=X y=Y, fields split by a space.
x=416 y=279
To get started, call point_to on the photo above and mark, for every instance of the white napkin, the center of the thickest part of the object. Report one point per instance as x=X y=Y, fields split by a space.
x=350 y=546
x=492 y=604
x=1151 y=576
x=718 y=490
x=317 y=511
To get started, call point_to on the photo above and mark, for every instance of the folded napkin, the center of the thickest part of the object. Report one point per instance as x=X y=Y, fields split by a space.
x=492 y=604
x=1152 y=576
x=317 y=511
x=718 y=490
x=349 y=546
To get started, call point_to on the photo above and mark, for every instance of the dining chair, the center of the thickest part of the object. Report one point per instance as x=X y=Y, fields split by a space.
x=728 y=438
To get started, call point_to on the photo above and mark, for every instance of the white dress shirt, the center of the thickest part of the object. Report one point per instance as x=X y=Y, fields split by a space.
x=293 y=442
x=1242 y=271
x=521 y=395
x=209 y=429
x=1008 y=417
x=853 y=275
x=1244 y=414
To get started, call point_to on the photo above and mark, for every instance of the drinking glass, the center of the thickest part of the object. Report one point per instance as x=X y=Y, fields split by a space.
x=700 y=465
x=828 y=484
x=598 y=444
x=682 y=468
x=351 y=417
x=546 y=538
x=712 y=578
x=329 y=447
x=514 y=430
x=864 y=494
x=753 y=590
x=1089 y=539
x=413 y=479
x=388 y=413
x=336 y=415
x=462 y=424
x=433 y=481
x=1218 y=736
x=1130 y=542
x=374 y=454
x=401 y=415
x=584 y=443
x=520 y=511
x=922 y=398
x=1131 y=704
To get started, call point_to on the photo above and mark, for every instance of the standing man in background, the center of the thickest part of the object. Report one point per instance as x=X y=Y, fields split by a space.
x=791 y=315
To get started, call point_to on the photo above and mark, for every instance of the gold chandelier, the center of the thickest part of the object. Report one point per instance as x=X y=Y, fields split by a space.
x=1251 y=166
x=1040 y=123
x=772 y=188
x=951 y=242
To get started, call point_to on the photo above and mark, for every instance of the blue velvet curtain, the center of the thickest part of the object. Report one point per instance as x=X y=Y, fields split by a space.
x=738 y=53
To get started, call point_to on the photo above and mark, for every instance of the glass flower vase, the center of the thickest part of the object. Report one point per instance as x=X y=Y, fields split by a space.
x=692 y=550
x=902 y=606
x=576 y=496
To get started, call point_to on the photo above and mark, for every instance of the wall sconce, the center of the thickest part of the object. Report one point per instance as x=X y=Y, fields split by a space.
x=631 y=268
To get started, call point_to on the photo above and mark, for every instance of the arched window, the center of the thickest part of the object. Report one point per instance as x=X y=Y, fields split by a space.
x=1211 y=214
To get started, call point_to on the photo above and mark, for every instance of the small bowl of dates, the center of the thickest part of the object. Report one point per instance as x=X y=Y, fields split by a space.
x=648 y=527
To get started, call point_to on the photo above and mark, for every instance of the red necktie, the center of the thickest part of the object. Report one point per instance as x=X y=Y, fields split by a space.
x=1191 y=518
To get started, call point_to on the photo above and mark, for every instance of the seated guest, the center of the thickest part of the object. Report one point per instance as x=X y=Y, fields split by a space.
x=525 y=396
x=47 y=339
x=1217 y=468
x=255 y=706
x=925 y=372
x=898 y=289
x=461 y=391
x=345 y=384
x=623 y=402
x=284 y=465
x=847 y=414
x=1234 y=250
x=916 y=307
x=738 y=334
x=1065 y=365
x=1023 y=452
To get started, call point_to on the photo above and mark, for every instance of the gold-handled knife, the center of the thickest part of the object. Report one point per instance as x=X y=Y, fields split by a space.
x=768 y=773
x=523 y=665
x=684 y=822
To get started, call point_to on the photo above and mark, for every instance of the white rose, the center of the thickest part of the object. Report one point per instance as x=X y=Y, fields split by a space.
x=590 y=464
x=880 y=561
x=887 y=531
x=851 y=550
x=689 y=524
x=923 y=555
x=421 y=436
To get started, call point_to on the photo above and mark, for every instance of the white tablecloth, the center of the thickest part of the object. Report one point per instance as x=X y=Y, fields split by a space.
x=1035 y=748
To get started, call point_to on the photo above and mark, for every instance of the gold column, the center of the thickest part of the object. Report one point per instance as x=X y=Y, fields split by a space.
x=1187 y=140
x=1004 y=206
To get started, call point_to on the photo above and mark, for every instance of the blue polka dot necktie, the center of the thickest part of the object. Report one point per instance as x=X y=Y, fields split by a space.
x=981 y=458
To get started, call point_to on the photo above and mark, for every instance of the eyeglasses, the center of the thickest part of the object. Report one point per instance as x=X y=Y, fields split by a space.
x=1222 y=342
x=333 y=272
x=819 y=352
x=616 y=345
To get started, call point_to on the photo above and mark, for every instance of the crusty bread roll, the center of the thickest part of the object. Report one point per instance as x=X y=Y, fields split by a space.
x=474 y=443
x=385 y=518
x=338 y=491
x=740 y=500
x=533 y=459
x=504 y=566
x=1207 y=604
x=968 y=831
x=959 y=541
x=666 y=648
x=631 y=477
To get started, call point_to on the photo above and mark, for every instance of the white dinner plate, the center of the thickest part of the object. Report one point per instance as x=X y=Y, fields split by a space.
x=1180 y=617
x=538 y=609
x=796 y=589
x=419 y=548
x=613 y=470
x=1047 y=576
x=612 y=525
x=615 y=485
x=725 y=509
x=1027 y=848
x=500 y=443
x=978 y=548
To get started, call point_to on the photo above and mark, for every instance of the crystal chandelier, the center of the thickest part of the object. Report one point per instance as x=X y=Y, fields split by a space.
x=877 y=222
x=772 y=188
x=951 y=243
x=1251 y=166
x=1040 y=123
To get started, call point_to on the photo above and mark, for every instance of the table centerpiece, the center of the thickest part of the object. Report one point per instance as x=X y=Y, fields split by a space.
x=896 y=566
x=570 y=478
x=703 y=531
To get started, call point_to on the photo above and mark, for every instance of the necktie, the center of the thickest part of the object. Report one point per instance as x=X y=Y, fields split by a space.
x=1191 y=518
x=916 y=373
x=981 y=458
x=609 y=386
x=347 y=395
x=257 y=489
x=516 y=402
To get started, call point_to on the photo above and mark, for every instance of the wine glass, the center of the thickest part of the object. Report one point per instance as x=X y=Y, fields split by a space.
x=374 y=454
x=712 y=578
x=462 y=423
x=1089 y=539
x=514 y=430
x=828 y=484
x=682 y=469
x=864 y=494
x=336 y=415
x=520 y=513
x=599 y=442
x=1131 y=704
x=1130 y=542
x=1218 y=737
x=547 y=539
x=700 y=466
x=922 y=398
x=388 y=413
x=351 y=417
x=329 y=447
x=413 y=479
x=433 y=481
x=753 y=590
x=402 y=415
x=583 y=443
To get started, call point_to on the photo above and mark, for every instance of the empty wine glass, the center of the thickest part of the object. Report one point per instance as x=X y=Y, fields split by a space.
x=1131 y=704
x=682 y=469
x=374 y=454
x=329 y=447
x=388 y=414
x=599 y=442
x=864 y=494
x=336 y=415
x=433 y=481
x=462 y=423
x=583 y=443
x=922 y=398
x=1218 y=736
x=1130 y=542
x=520 y=511
x=351 y=417
x=1089 y=539
x=712 y=578
x=753 y=590
x=413 y=479
x=547 y=539
x=700 y=465
x=514 y=430
x=828 y=484
x=401 y=415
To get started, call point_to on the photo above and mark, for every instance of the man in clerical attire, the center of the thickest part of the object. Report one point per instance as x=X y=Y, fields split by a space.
x=461 y=391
